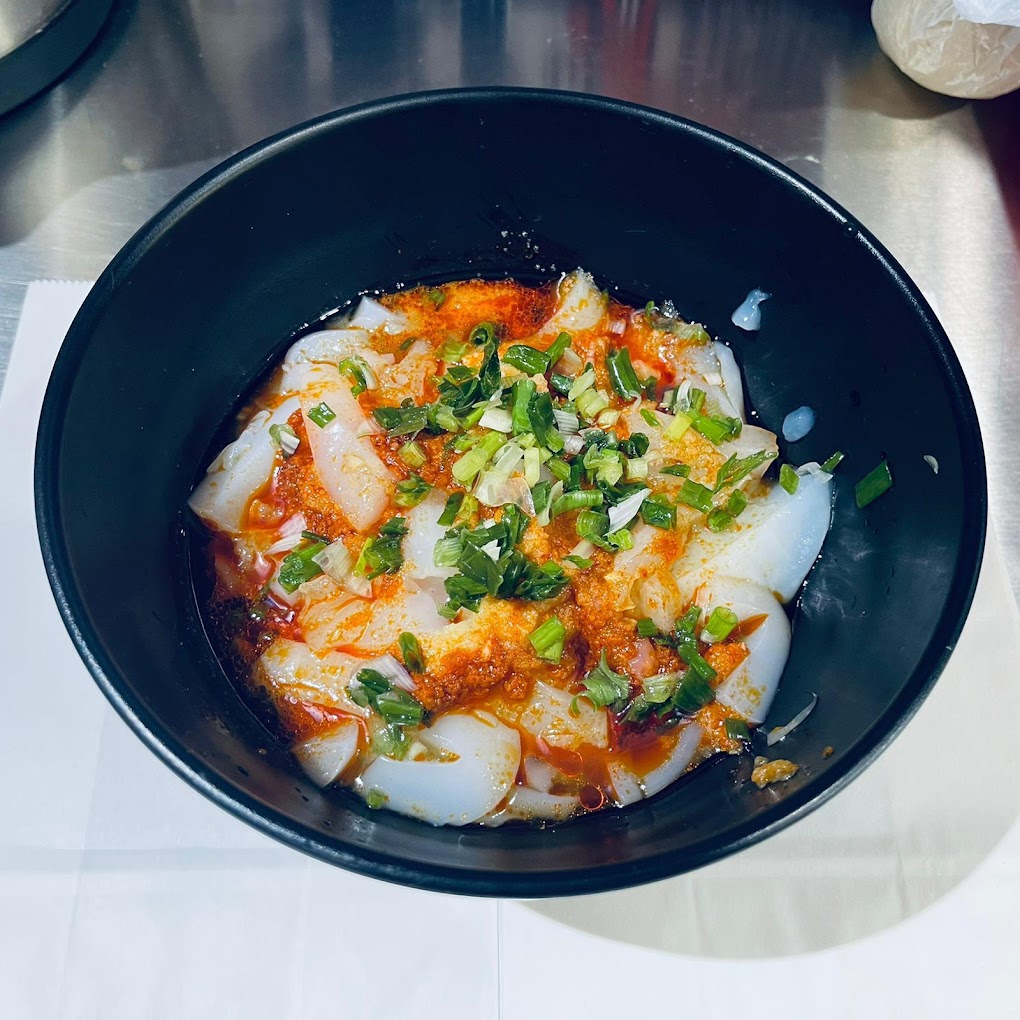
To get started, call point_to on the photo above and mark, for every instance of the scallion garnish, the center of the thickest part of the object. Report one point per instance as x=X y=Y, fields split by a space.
x=522 y=392
x=696 y=495
x=676 y=429
x=451 y=351
x=677 y=470
x=540 y=496
x=581 y=562
x=646 y=627
x=322 y=414
x=526 y=359
x=649 y=416
x=604 y=687
x=449 y=514
x=575 y=501
x=401 y=421
x=873 y=485
x=411 y=653
x=736 y=504
x=584 y=382
x=559 y=469
x=411 y=491
x=358 y=371
x=721 y=622
x=832 y=463
x=788 y=478
x=465 y=469
x=437 y=297
x=370 y=689
x=555 y=350
x=543 y=422
x=591 y=404
x=737 y=729
x=299 y=566
x=718 y=520
x=657 y=512
x=383 y=554
x=285 y=438
x=560 y=383
x=412 y=454
x=736 y=469
x=636 y=446
x=483 y=333
x=547 y=640
x=622 y=374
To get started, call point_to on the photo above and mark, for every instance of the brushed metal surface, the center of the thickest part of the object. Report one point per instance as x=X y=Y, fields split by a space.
x=173 y=86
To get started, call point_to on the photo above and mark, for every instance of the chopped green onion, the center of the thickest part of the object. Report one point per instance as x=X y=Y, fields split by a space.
x=789 y=479
x=736 y=504
x=658 y=513
x=285 y=438
x=621 y=539
x=412 y=454
x=449 y=514
x=543 y=422
x=721 y=622
x=607 y=419
x=560 y=383
x=646 y=627
x=622 y=374
x=532 y=466
x=526 y=359
x=737 y=729
x=547 y=640
x=696 y=495
x=693 y=692
x=559 y=469
x=873 y=485
x=635 y=469
x=649 y=416
x=400 y=421
x=370 y=689
x=581 y=562
x=678 y=470
x=678 y=426
x=636 y=446
x=719 y=520
x=737 y=468
x=832 y=463
x=555 y=350
x=591 y=403
x=585 y=381
x=411 y=491
x=322 y=414
x=717 y=430
x=575 y=501
x=467 y=467
x=411 y=653
x=357 y=369
x=437 y=297
x=540 y=497
x=314 y=537
x=447 y=550
x=376 y=799
x=605 y=465
x=382 y=554
x=390 y=741
x=452 y=351
x=605 y=687
x=299 y=566
x=522 y=392
x=483 y=333
x=442 y=418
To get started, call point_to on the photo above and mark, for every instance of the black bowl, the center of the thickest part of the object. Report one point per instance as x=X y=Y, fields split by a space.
x=525 y=184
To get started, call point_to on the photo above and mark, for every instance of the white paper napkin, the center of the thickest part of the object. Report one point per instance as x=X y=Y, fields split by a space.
x=123 y=893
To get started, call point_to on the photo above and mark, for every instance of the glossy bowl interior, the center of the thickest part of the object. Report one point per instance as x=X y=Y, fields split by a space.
x=526 y=184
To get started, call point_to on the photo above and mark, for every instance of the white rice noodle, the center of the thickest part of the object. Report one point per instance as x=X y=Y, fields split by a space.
x=676 y=764
x=778 y=733
x=525 y=804
x=335 y=621
x=776 y=544
x=324 y=757
x=290 y=669
x=481 y=761
x=626 y=785
x=580 y=305
x=242 y=468
x=539 y=774
x=406 y=379
x=750 y=688
x=411 y=610
x=731 y=381
x=371 y=315
x=547 y=715
x=423 y=532
x=331 y=346
x=347 y=465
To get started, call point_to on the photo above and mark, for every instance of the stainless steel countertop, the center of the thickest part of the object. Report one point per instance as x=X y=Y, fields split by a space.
x=174 y=86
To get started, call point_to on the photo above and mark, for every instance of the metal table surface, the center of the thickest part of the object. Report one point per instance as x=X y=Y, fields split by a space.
x=173 y=86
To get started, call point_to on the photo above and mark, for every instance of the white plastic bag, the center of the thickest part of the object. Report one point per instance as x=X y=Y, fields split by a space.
x=948 y=47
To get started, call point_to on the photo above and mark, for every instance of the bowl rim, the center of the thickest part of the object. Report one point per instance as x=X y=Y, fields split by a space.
x=438 y=877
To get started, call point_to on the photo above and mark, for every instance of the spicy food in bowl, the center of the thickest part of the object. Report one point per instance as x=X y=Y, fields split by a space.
x=492 y=552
